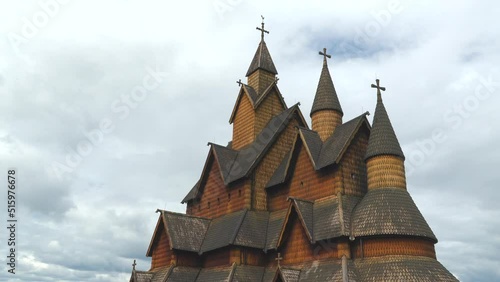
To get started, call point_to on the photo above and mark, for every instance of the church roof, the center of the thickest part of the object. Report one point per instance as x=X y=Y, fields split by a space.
x=235 y=165
x=402 y=268
x=326 y=97
x=389 y=211
x=321 y=154
x=383 y=140
x=255 y=99
x=262 y=60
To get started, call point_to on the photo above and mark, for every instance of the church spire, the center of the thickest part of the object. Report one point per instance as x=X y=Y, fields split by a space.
x=384 y=157
x=261 y=72
x=326 y=112
x=383 y=140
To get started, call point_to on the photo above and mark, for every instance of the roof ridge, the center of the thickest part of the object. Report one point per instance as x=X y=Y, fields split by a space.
x=182 y=214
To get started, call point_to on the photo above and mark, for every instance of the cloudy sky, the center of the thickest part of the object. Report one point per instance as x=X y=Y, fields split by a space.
x=107 y=106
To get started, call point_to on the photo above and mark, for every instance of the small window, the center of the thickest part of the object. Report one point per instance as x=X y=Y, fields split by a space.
x=228 y=197
x=218 y=201
x=208 y=204
x=199 y=207
x=239 y=193
x=353 y=175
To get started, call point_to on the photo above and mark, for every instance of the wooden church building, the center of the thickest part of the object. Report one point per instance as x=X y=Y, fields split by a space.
x=285 y=202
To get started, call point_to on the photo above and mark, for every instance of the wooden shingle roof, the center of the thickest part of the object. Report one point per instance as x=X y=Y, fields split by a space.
x=321 y=154
x=389 y=211
x=326 y=97
x=235 y=165
x=402 y=268
x=262 y=60
x=383 y=140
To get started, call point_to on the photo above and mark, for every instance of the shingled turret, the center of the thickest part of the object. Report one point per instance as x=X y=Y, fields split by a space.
x=262 y=71
x=326 y=112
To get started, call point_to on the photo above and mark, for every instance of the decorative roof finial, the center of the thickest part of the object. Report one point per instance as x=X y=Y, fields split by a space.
x=262 y=30
x=379 y=94
x=133 y=265
x=325 y=55
x=278 y=259
x=239 y=82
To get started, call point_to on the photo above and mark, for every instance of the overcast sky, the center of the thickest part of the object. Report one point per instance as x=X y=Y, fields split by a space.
x=107 y=106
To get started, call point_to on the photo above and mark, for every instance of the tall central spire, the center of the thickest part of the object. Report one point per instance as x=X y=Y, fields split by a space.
x=326 y=112
x=262 y=71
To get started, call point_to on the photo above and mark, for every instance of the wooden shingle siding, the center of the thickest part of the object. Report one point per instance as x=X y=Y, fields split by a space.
x=271 y=161
x=374 y=247
x=217 y=257
x=386 y=171
x=243 y=125
x=297 y=248
x=260 y=80
x=162 y=255
x=223 y=199
x=269 y=107
x=352 y=175
x=325 y=121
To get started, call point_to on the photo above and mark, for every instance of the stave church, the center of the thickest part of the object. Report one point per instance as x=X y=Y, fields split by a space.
x=283 y=201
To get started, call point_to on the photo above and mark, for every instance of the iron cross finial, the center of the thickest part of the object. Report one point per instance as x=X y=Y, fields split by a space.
x=379 y=94
x=278 y=259
x=239 y=82
x=325 y=55
x=276 y=80
x=133 y=265
x=262 y=30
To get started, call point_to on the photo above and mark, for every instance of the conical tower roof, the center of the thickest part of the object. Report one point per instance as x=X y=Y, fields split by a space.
x=326 y=97
x=262 y=60
x=383 y=140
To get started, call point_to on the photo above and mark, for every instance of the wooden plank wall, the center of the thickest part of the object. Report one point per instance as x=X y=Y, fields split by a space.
x=162 y=255
x=243 y=124
x=217 y=199
x=270 y=163
x=374 y=247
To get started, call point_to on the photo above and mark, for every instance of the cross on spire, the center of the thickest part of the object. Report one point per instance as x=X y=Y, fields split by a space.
x=325 y=55
x=133 y=265
x=379 y=94
x=239 y=82
x=262 y=30
x=278 y=259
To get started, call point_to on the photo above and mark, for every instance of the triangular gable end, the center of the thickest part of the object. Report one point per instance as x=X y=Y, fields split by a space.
x=293 y=207
x=247 y=91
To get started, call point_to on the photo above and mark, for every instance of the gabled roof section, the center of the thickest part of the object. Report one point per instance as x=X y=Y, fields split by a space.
x=305 y=212
x=287 y=274
x=185 y=232
x=326 y=97
x=402 y=268
x=383 y=140
x=191 y=195
x=332 y=216
x=184 y=274
x=256 y=100
x=249 y=157
x=242 y=228
x=221 y=273
x=262 y=60
x=321 y=154
x=389 y=211
x=248 y=273
x=274 y=227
